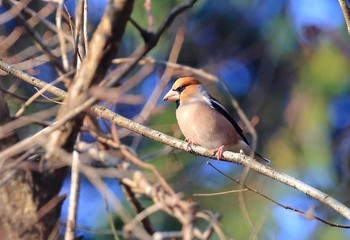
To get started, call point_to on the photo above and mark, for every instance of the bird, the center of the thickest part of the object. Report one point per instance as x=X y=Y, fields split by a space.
x=204 y=121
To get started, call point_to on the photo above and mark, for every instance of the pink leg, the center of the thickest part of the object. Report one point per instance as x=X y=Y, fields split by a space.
x=190 y=142
x=219 y=151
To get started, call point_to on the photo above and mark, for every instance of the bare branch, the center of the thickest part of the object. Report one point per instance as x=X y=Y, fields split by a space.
x=148 y=8
x=238 y=158
x=346 y=12
x=60 y=34
x=85 y=26
x=239 y=182
x=73 y=197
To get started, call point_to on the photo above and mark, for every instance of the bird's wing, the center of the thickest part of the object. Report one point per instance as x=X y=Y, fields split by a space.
x=215 y=104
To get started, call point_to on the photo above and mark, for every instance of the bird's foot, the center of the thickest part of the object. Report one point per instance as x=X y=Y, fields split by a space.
x=219 y=152
x=190 y=143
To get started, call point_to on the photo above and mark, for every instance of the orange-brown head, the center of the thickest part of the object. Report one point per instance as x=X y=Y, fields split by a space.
x=183 y=90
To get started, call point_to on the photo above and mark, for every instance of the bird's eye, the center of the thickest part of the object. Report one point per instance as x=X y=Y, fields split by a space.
x=180 y=89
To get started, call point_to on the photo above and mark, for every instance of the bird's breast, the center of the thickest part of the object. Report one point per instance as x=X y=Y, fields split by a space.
x=205 y=126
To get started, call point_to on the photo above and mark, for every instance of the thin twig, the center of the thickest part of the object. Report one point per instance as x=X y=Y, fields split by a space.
x=25 y=120
x=73 y=197
x=239 y=158
x=79 y=18
x=218 y=193
x=241 y=199
x=110 y=218
x=53 y=202
x=148 y=7
x=70 y=20
x=278 y=203
x=47 y=98
x=60 y=34
x=85 y=26
x=94 y=231
x=38 y=93
x=22 y=98
x=30 y=79
x=213 y=224
x=141 y=216
x=146 y=222
x=148 y=166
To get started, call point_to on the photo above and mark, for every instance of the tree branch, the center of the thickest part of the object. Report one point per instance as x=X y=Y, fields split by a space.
x=306 y=214
x=238 y=158
x=346 y=12
x=103 y=46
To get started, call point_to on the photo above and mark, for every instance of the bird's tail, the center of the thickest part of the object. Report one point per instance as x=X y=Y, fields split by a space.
x=247 y=150
x=262 y=159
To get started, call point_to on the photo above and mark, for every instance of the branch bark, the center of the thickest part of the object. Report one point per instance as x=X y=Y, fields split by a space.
x=346 y=12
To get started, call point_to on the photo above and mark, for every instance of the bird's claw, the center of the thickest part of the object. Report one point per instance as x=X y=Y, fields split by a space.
x=190 y=143
x=219 y=152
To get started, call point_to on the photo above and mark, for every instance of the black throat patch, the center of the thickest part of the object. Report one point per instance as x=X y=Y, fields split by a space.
x=177 y=103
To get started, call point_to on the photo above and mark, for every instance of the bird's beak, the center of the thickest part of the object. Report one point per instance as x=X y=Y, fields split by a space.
x=171 y=96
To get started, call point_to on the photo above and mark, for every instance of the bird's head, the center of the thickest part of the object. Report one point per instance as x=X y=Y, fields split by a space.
x=183 y=90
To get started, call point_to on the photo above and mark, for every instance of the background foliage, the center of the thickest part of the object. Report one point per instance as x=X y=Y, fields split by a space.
x=286 y=62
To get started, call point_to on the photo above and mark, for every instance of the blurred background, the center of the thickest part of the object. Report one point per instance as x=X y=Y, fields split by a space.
x=287 y=64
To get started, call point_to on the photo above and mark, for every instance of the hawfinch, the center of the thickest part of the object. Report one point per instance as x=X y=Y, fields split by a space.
x=204 y=121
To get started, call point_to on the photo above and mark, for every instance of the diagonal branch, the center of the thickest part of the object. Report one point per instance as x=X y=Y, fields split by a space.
x=344 y=5
x=198 y=150
x=246 y=187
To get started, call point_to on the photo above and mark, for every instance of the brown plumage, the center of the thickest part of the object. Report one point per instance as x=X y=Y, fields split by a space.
x=204 y=121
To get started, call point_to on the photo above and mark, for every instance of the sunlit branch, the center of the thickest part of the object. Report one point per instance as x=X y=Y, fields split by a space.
x=346 y=12
x=307 y=214
x=238 y=158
